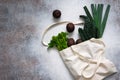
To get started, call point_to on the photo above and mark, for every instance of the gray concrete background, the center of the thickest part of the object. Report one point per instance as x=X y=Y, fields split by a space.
x=23 y=57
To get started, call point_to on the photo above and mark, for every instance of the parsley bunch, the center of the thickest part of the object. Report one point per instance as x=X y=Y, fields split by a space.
x=59 y=41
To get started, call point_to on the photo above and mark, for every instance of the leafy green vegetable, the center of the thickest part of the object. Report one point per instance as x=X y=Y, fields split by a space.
x=59 y=41
x=105 y=19
x=94 y=23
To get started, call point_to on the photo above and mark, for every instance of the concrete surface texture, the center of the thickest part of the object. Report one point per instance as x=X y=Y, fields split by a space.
x=23 y=57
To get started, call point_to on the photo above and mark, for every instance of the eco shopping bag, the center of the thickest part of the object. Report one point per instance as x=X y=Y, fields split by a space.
x=86 y=60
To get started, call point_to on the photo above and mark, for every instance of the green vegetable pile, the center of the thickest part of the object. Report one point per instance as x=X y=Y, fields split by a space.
x=59 y=41
x=94 y=23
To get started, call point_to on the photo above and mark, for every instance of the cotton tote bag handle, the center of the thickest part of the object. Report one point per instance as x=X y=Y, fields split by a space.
x=55 y=25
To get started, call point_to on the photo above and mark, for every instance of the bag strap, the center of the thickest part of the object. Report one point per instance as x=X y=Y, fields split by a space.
x=55 y=25
x=95 y=68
